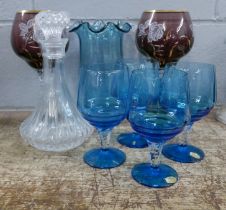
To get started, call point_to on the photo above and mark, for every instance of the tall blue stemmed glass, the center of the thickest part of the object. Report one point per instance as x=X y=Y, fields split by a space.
x=202 y=82
x=134 y=139
x=103 y=102
x=158 y=111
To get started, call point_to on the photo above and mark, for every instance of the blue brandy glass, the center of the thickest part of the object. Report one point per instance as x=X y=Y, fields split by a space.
x=202 y=88
x=103 y=102
x=134 y=139
x=158 y=111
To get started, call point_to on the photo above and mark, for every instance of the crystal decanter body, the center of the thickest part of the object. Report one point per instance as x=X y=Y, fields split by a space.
x=55 y=125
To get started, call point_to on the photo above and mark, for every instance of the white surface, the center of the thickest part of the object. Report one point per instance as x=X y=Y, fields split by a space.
x=8 y=8
x=127 y=9
x=19 y=83
x=221 y=9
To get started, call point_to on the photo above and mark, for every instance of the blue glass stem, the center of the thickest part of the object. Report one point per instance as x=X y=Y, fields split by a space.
x=155 y=150
x=104 y=136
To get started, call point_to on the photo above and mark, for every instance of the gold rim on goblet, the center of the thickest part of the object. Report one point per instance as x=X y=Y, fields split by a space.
x=30 y=11
x=165 y=11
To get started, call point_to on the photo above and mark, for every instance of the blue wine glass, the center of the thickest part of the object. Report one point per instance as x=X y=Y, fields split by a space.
x=134 y=139
x=103 y=102
x=158 y=111
x=202 y=82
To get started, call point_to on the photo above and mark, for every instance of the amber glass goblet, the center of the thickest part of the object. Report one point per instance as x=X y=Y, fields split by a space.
x=165 y=35
x=22 y=39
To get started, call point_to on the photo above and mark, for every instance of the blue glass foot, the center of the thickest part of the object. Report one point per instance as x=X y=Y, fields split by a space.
x=132 y=140
x=162 y=176
x=183 y=153
x=104 y=158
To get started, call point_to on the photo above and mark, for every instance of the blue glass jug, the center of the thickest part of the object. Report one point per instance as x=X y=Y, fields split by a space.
x=100 y=42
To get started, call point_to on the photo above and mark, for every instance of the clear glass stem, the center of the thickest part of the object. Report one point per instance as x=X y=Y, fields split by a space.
x=155 y=151
x=186 y=135
x=104 y=136
x=40 y=76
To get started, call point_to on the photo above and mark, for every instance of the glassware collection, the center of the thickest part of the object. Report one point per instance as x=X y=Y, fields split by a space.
x=159 y=96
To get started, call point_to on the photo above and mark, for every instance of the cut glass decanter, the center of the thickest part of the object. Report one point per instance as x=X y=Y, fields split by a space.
x=55 y=125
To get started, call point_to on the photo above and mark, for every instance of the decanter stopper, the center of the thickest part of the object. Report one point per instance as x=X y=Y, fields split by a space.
x=49 y=29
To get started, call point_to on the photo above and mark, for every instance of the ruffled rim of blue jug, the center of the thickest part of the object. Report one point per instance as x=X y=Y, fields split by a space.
x=100 y=25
